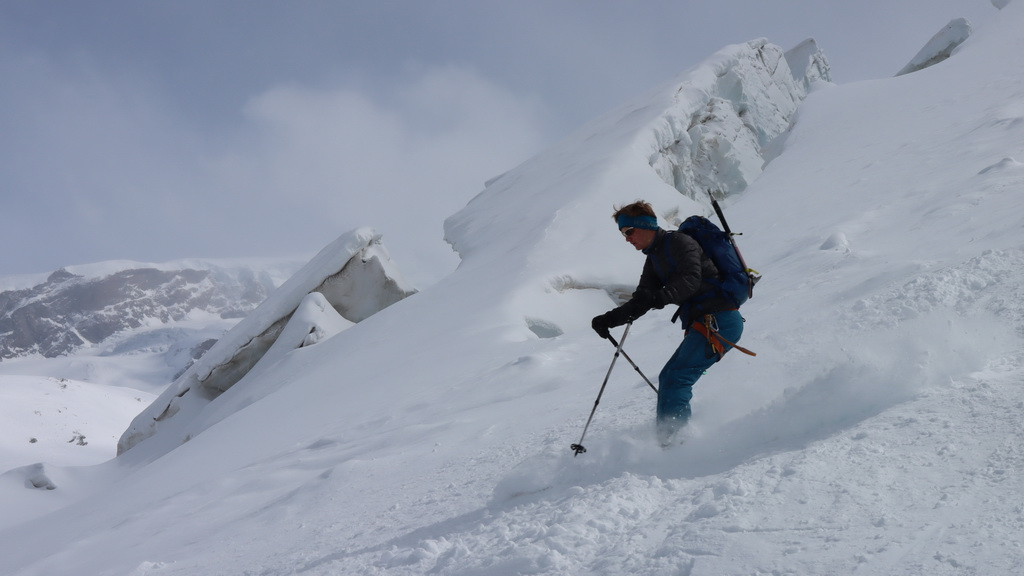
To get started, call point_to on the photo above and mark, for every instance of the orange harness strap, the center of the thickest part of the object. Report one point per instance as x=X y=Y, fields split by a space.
x=714 y=338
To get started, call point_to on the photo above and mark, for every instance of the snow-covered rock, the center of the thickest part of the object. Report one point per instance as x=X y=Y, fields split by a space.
x=348 y=281
x=940 y=47
x=808 y=63
x=724 y=116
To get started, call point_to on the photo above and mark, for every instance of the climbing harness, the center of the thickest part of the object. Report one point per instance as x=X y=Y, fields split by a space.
x=708 y=328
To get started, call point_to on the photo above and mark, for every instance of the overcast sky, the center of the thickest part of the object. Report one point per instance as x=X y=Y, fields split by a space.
x=154 y=131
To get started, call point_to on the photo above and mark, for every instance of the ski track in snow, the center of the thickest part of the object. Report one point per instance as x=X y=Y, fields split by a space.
x=940 y=510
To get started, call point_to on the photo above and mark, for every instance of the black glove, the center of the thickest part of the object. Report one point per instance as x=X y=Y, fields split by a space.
x=600 y=324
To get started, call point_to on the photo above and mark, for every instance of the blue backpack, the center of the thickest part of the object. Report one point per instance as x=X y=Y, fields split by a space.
x=736 y=281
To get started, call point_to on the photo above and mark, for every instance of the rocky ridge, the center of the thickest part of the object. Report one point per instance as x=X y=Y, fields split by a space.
x=69 y=312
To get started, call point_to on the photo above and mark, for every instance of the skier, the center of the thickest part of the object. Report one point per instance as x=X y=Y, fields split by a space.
x=675 y=272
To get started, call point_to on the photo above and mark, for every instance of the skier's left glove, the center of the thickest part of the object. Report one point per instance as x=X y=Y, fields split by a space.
x=601 y=325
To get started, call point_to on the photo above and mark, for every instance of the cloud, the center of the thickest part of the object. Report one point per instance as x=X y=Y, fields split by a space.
x=101 y=167
x=333 y=159
x=85 y=158
x=168 y=132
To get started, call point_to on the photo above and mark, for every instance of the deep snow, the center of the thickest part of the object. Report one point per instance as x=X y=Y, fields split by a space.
x=877 y=432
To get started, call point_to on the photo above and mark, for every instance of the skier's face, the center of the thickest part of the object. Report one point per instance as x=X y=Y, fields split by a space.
x=638 y=237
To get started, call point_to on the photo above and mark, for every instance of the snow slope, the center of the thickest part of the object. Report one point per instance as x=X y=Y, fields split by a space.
x=877 y=431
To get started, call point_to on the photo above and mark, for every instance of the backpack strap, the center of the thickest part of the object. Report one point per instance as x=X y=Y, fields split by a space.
x=708 y=328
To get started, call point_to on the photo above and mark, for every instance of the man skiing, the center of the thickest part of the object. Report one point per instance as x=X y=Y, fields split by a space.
x=676 y=272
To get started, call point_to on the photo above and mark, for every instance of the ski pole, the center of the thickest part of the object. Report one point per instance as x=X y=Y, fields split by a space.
x=578 y=447
x=635 y=367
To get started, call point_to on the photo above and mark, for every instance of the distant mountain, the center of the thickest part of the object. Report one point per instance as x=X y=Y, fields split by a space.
x=71 y=311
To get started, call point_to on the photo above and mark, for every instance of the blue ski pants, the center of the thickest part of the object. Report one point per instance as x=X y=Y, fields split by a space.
x=687 y=364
